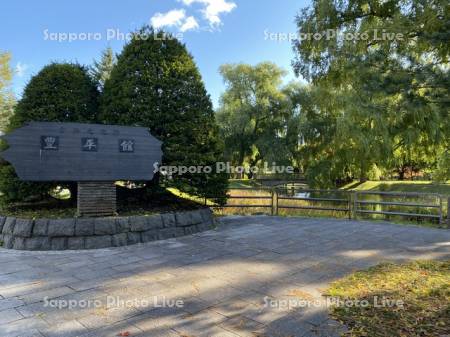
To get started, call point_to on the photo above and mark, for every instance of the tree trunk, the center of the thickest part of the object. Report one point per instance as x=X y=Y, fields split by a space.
x=401 y=173
x=73 y=188
x=362 y=175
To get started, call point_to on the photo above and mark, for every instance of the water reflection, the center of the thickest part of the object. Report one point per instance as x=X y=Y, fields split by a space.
x=302 y=195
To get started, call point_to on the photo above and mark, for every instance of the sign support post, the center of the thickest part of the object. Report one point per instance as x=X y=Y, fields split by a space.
x=96 y=198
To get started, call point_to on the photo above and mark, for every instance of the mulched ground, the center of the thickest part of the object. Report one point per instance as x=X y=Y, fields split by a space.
x=129 y=202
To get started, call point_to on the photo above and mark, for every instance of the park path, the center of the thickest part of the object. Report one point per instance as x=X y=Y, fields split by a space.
x=232 y=281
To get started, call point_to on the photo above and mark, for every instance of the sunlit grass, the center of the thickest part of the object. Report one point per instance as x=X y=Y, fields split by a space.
x=400 y=186
x=60 y=193
x=188 y=196
x=260 y=198
x=423 y=287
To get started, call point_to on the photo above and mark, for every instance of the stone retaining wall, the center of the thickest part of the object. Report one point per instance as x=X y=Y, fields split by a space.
x=90 y=233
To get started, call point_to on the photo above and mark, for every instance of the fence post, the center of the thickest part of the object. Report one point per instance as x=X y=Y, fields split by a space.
x=349 y=205
x=355 y=205
x=271 y=201
x=276 y=202
x=448 y=212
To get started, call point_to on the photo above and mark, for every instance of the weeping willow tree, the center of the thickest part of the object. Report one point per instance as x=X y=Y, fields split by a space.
x=383 y=77
x=253 y=114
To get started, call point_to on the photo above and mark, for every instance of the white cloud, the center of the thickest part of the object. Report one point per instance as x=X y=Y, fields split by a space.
x=189 y=24
x=213 y=9
x=171 y=18
x=20 y=69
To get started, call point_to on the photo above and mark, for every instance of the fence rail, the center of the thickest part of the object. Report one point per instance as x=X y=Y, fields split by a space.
x=352 y=203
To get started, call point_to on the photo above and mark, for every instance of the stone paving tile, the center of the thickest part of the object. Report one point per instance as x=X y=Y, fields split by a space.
x=290 y=325
x=8 y=303
x=217 y=295
x=65 y=329
x=226 y=277
x=194 y=305
x=11 y=267
x=204 y=323
x=235 y=307
x=93 y=272
x=23 y=288
x=30 y=333
x=105 y=317
x=32 y=310
x=9 y=315
x=41 y=295
x=242 y=326
x=114 y=330
x=89 y=284
x=24 y=327
x=157 y=322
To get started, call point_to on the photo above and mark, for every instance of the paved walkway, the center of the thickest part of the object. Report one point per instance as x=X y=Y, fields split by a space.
x=234 y=281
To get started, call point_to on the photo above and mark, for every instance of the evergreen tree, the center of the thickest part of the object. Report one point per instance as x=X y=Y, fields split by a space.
x=60 y=92
x=101 y=70
x=156 y=84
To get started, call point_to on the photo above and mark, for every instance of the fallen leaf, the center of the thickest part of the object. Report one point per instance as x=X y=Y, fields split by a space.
x=301 y=294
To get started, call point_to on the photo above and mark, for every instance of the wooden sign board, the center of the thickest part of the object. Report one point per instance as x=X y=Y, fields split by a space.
x=47 y=151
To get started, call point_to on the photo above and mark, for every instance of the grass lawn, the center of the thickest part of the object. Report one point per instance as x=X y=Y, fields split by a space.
x=423 y=286
x=400 y=186
x=384 y=186
x=243 y=183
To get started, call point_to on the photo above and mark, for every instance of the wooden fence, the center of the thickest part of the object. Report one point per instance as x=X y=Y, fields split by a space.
x=351 y=204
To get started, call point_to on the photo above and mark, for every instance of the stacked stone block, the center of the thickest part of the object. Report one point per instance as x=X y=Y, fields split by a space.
x=92 y=233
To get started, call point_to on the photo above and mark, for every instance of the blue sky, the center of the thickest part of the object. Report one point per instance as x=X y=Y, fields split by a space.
x=214 y=31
